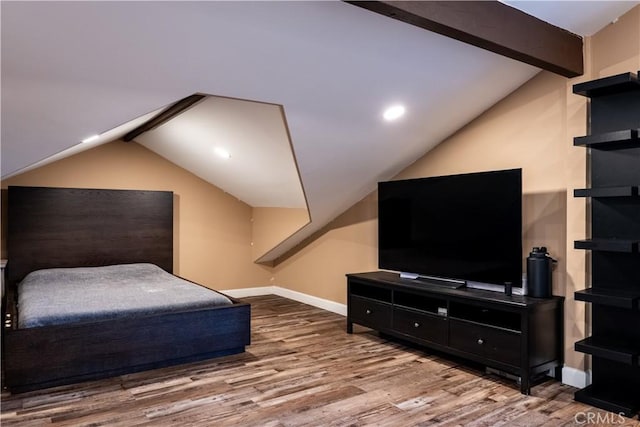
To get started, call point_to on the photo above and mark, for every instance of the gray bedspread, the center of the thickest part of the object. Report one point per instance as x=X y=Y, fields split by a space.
x=71 y=295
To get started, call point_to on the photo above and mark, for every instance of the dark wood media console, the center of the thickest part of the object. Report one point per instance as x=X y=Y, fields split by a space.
x=518 y=335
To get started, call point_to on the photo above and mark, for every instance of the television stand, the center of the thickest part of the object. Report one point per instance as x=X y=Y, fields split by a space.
x=517 y=335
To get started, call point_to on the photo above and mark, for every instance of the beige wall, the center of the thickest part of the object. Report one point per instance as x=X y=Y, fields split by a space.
x=349 y=244
x=532 y=129
x=212 y=229
x=271 y=226
x=615 y=49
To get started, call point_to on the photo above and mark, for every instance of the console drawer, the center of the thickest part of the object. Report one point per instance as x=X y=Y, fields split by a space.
x=485 y=341
x=370 y=313
x=424 y=326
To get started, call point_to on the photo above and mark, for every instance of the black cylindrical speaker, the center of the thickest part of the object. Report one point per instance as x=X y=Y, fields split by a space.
x=539 y=265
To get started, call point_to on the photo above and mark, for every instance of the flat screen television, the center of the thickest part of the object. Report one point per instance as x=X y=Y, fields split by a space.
x=464 y=227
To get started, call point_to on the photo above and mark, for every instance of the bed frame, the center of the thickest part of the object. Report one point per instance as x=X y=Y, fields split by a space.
x=63 y=227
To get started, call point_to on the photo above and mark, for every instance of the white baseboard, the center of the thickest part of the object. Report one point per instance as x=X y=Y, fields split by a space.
x=325 y=304
x=322 y=303
x=575 y=377
x=250 y=292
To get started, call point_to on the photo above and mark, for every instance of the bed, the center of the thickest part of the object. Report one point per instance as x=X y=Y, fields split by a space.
x=90 y=291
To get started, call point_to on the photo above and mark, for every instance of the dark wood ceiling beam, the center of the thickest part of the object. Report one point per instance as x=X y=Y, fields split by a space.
x=493 y=26
x=166 y=115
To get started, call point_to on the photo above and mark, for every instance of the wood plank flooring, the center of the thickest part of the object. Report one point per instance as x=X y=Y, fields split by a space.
x=303 y=369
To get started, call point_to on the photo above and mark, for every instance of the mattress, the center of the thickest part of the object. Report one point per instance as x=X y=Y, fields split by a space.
x=85 y=294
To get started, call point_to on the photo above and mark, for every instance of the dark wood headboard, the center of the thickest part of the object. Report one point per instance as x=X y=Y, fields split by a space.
x=72 y=227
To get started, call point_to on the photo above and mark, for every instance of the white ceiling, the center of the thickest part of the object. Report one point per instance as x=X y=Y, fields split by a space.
x=73 y=69
x=580 y=17
x=261 y=170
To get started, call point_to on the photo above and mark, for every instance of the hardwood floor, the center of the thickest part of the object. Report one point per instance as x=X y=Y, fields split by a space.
x=304 y=369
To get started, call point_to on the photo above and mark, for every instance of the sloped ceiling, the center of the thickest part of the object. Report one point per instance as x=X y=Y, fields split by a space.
x=240 y=146
x=73 y=69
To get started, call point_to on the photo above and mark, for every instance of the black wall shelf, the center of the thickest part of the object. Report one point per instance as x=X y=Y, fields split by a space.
x=620 y=191
x=614 y=143
x=610 y=297
x=621 y=83
x=610 y=140
x=626 y=355
x=611 y=245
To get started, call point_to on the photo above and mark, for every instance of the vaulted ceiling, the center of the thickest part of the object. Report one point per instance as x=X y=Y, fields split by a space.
x=73 y=69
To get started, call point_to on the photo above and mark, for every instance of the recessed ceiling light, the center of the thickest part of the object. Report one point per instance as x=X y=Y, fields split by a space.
x=221 y=152
x=90 y=139
x=394 y=112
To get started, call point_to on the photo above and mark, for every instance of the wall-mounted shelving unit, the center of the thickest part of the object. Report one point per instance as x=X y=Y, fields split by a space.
x=614 y=345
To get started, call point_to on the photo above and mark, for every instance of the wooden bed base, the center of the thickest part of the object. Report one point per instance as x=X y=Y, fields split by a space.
x=77 y=227
x=55 y=355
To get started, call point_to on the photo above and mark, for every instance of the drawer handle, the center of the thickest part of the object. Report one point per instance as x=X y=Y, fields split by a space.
x=416 y=325
x=480 y=341
x=368 y=311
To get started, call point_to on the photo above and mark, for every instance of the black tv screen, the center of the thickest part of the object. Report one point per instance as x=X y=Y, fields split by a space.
x=466 y=227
